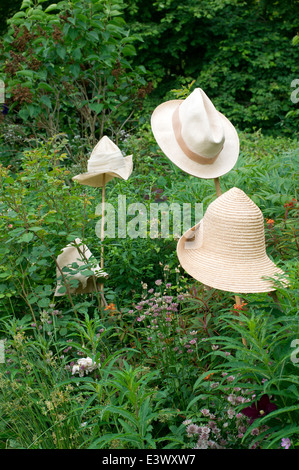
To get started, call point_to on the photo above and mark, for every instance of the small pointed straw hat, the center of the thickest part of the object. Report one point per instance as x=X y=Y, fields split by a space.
x=195 y=136
x=105 y=159
x=77 y=253
x=226 y=249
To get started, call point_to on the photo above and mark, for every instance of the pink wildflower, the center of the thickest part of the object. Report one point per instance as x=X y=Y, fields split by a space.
x=285 y=442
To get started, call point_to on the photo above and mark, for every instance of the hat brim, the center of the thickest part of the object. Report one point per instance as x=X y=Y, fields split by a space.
x=161 y=122
x=227 y=274
x=96 y=178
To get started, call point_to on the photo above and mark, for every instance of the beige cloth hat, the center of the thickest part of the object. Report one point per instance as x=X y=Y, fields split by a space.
x=80 y=255
x=226 y=249
x=105 y=159
x=195 y=136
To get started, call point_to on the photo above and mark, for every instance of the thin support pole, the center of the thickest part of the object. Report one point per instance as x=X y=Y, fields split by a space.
x=217 y=187
x=239 y=303
x=103 y=223
x=102 y=240
x=237 y=298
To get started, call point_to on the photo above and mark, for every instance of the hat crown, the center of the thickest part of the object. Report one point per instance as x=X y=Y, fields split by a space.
x=201 y=125
x=226 y=250
x=105 y=146
x=105 y=153
x=233 y=227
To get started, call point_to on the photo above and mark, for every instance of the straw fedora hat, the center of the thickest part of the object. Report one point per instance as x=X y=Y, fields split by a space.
x=195 y=136
x=226 y=249
x=77 y=253
x=105 y=159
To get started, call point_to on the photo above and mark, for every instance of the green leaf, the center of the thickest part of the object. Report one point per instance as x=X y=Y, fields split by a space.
x=9 y=180
x=93 y=36
x=33 y=110
x=132 y=439
x=26 y=238
x=24 y=114
x=61 y=51
x=75 y=70
x=26 y=4
x=96 y=107
x=77 y=54
x=32 y=299
x=44 y=303
x=36 y=229
x=129 y=50
x=45 y=86
x=26 y=73
x=20 y=14
x=46 y=100
x=52 y=7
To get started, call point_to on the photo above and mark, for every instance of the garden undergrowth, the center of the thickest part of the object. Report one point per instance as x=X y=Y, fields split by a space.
x=168 y=362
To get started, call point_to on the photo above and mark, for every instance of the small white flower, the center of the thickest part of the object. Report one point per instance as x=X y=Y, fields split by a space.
x=84 y=365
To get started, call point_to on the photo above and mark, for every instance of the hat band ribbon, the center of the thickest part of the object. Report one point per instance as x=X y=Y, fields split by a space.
x=177 y=128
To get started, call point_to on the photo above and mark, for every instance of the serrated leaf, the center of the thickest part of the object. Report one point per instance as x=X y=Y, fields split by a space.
x=96 y=107
x=93 y=36
x=44 y=303
x=26 y=238
x=46 y=100
x=61 y=51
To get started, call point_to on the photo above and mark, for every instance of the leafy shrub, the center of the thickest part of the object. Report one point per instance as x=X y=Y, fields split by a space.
x=240 y=53
x=41 y=214
x=67 y=68
x=113 y=376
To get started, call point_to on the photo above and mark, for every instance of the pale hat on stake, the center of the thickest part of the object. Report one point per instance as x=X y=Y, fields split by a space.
x=106 y=162
x=80 y=255
x=226 y=249
x=195 y=136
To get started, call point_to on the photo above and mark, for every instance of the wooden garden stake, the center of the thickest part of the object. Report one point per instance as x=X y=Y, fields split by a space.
x=217 y=187
x=105 y=159
x=103 y=222
x=102 y=239
x=237 y=298
x=239 y=303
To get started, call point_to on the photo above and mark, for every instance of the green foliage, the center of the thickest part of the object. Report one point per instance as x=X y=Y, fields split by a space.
x=36 y=412
x=41 y=214
x=239 y=53
x=166 y=352
x=257 y=350
x=7 y=9
x=266 y=171
x=67 y=68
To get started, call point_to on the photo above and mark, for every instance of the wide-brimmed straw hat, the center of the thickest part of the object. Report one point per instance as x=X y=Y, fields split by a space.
x=226 y=249
x=80 y=254
x=195 y=136
x=105 y=159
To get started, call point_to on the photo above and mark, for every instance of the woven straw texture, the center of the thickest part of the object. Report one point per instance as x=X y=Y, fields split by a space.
x=227 y=250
